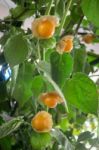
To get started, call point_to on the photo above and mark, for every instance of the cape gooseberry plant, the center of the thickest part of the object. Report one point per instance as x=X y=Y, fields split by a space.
x=47 y=98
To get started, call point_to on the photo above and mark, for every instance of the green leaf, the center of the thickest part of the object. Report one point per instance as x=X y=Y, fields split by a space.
x=85 y=136
x=40 y=140
x=91 y=10
x=48 y=43
x=60 y=7
x=16 y=49
x=76 y=13
x=5 y=143
x=62 y=139
x=15 y=12
x=81 y=92
x=61 y=67
x=23 y=87
x=64 y=124
x=37 y=85
x=21 y=13
x=80 y=57
x=10 y=126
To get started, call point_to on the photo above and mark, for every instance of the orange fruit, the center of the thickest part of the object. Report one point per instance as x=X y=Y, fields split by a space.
x=68 y=45
x=51 y=99
x=46 y=28
x=65 y=44
x=88 y=38
x=42 y=122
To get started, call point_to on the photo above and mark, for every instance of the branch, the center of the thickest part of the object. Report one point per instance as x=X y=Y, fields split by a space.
x=49 y=7
x=78 y=25
x=93 y=54
x=64 y=17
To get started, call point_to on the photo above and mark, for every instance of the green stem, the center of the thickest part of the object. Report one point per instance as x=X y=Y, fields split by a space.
x=78 y=25
x=64 y=17
x=56 y=3
x=49 y=7
x=47 y=76
x=98 y=120
x=44 y=54
x=38 y=49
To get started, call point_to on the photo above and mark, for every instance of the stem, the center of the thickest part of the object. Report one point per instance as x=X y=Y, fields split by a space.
x=98 y=119
x=44 y=54
x=49 y=7
x=38 y=49
x=47 y=76
x=64 y=17
x=79 y=23
x=56 y=3
x=93 y=54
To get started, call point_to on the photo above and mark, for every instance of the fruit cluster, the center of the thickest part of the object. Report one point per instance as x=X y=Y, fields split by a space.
x=44 y=28
x=42 y=121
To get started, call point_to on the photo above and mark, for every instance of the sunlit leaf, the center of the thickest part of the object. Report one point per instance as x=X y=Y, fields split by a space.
x=81 y=92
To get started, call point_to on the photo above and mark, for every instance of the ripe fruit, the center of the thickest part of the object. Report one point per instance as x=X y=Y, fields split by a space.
x=88 y=38
x=65 y=44
x=42 y=122
x=51 y=99
x=44 y=27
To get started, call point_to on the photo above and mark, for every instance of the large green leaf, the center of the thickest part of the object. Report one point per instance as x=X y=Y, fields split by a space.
x=16 y=49
x=81 y=92
x=10 y=126
x=40 y=141
x=61 y=67
x=91 y=10
x=23 y=88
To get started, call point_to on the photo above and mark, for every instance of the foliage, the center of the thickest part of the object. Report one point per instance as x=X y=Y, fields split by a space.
x=36 y=68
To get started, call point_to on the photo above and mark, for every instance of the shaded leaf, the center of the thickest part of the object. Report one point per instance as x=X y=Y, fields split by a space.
x=80 y=57
x=16 y=49
x=61 y=67
x=81 y=146
x=3 y=91
x=23 y=87
x=85 y=136
x=10 y=126
x=5 y=143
